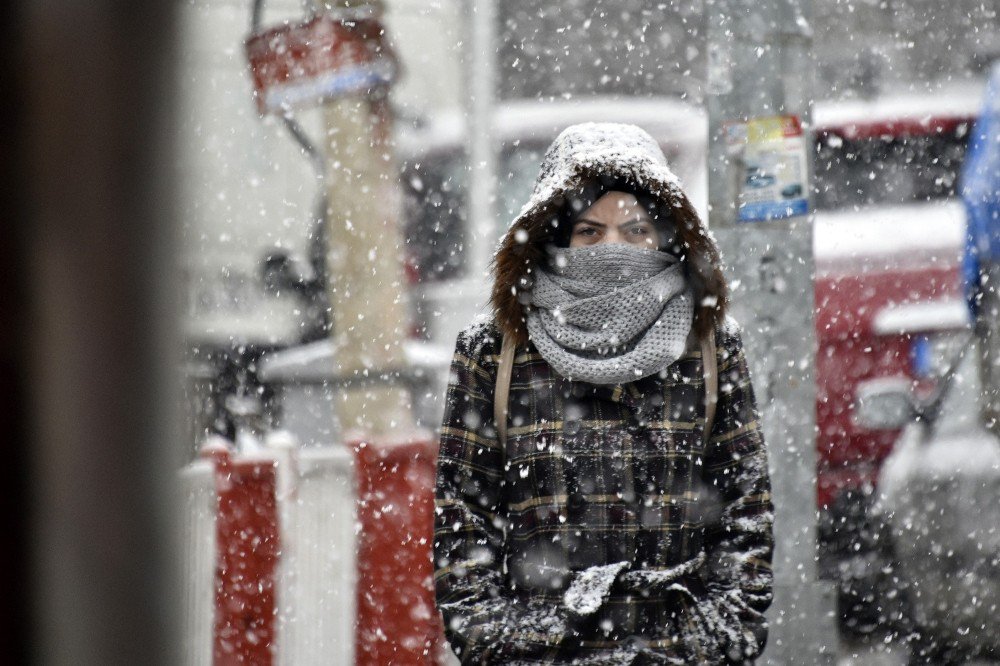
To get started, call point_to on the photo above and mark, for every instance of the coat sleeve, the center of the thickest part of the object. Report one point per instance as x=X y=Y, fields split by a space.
x=739 y=542
x=483 y=621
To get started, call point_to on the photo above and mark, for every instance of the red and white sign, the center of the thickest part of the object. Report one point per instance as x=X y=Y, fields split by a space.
x=302 y=65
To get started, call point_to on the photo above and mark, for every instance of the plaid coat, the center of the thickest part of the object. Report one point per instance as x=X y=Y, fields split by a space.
x=604 y=531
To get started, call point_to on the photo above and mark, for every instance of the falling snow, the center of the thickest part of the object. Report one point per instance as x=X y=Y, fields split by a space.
x=335 y=244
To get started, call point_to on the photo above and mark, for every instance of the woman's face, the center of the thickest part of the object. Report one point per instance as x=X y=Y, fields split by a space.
x=617 y=217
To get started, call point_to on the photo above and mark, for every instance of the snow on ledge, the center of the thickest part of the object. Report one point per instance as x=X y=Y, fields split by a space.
x=889 y=230
x=941 y=315
x=317 y=361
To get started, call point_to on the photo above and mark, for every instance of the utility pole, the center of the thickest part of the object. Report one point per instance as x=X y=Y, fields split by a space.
x=759 y=90
x=366 y=285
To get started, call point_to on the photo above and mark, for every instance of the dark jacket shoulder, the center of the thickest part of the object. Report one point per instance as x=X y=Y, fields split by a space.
x=480 y=342
x=728 y=338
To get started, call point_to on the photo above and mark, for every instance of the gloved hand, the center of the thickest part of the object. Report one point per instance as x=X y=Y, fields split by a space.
x=590 y=589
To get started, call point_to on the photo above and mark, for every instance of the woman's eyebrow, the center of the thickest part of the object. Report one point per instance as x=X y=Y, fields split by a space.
x=587 y=220
x=635 y=220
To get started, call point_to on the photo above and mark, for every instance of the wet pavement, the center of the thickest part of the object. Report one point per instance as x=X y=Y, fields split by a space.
x=872 y=652
x=877 y=652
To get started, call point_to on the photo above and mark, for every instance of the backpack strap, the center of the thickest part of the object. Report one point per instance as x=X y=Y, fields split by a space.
x=501 y=396
x=710 y=365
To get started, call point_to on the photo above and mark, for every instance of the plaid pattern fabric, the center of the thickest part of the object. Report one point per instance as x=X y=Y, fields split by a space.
x=594 y=475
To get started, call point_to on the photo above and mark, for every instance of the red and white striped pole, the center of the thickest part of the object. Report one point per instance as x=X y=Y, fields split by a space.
x=315 y=556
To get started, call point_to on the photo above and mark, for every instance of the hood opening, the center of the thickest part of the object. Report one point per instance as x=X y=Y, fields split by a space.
x=577 y=202
x=581 y=161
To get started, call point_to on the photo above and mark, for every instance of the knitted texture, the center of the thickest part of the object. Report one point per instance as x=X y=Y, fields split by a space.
x=610 y=313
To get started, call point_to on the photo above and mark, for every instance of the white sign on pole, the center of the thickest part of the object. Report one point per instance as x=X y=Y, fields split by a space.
x=771 y=151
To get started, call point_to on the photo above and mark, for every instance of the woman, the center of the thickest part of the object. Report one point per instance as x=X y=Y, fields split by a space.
x=596 y=522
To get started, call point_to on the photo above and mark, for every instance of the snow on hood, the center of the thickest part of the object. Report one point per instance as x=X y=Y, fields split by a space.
x=600 y=148
x=579 y=154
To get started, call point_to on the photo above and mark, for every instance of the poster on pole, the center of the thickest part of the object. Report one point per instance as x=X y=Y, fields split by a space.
x=772 y=172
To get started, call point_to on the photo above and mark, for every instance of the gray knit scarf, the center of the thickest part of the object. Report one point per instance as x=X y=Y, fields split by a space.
x=610 y=313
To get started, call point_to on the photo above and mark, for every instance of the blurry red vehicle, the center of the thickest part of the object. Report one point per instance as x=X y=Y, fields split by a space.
x=889 y=231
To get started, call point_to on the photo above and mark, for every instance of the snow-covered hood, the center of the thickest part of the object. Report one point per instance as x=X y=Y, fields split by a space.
x=579 y=154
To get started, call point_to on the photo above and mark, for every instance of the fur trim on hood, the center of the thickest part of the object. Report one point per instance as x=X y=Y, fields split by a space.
x=580 y=154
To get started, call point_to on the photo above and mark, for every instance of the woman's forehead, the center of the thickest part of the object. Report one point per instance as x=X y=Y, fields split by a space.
x=616 y=204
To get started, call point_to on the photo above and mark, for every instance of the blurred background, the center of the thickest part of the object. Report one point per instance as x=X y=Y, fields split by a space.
x=243 y=234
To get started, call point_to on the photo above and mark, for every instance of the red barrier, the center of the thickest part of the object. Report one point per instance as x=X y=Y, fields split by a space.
x=247 y=555
x=397 y=621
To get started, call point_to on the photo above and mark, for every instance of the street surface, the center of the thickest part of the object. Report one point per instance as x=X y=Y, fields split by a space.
x=877 y=653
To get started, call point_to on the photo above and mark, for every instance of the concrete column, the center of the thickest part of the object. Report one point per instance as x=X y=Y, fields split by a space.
x=365 y=261
x=367 y=286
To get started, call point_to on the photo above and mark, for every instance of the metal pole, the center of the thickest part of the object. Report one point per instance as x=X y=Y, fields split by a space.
x=481 y=84
x=465 y=298
x=367 y=285
x=760 y=66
